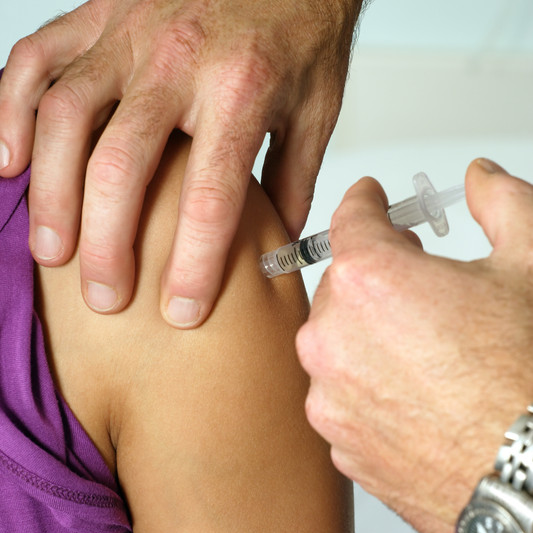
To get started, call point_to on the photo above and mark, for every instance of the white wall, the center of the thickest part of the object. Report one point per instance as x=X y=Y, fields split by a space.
x=433 y=85
x=22 y=17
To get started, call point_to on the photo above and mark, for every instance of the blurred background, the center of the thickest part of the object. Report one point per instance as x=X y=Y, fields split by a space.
x=432 y=86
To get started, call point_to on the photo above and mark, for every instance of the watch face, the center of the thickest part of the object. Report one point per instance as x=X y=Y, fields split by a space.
x=486 y=524
x=487 y=518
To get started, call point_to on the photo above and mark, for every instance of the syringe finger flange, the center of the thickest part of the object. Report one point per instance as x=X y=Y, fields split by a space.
x=434 y=214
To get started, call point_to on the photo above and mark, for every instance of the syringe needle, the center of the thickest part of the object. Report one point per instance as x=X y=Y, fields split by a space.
x=427 y=206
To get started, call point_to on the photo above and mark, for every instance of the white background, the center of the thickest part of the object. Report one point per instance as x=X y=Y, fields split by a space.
x=433 y=85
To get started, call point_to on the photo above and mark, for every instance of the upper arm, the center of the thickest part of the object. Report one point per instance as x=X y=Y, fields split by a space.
x=208 y=424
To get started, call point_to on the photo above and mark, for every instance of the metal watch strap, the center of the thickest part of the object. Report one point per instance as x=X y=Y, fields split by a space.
x=514 y=461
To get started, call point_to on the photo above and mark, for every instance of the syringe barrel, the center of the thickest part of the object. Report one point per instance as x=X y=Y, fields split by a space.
x=296 y=255
x=406 y=214
x=427 y=206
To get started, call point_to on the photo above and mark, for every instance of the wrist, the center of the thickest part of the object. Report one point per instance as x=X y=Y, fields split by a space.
x=468 y=454
x=502 y=502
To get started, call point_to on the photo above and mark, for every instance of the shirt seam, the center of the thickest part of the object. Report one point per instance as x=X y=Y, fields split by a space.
x=53 y=489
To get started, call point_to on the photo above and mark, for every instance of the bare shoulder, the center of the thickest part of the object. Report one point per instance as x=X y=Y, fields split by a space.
x=206 y=428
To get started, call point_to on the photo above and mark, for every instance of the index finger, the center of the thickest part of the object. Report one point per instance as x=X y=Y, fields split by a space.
x=361 y=219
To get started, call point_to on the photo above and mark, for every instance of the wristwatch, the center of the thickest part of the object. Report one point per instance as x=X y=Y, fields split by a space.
x=503 y=500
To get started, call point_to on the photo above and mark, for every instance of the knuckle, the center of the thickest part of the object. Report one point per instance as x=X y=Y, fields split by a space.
x=62 y=103
x=111 y=169
x=316 y=412
x=344 y=273
x=100 y=255
x=244 y=82
x=317 y=353
x=348 y=280
x=179 y=46
x=341 y=462
x=352 y=281
x=366 y=270
x=211 y=204
x=248 y=70
x=28 y=51
x=330 y=419
x=195 y=280
x=313 y=411
x=46 y=198
x=307 y=347
x=342 y=215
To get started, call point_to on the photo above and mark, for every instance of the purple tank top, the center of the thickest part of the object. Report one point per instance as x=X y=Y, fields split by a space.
x=52 y=478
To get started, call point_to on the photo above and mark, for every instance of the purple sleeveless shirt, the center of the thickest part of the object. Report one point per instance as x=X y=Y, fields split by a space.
x=52 y=478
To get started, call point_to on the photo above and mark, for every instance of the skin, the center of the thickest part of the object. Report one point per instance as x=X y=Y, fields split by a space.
x=205 y=428
x=225 y=73
x=419 y=364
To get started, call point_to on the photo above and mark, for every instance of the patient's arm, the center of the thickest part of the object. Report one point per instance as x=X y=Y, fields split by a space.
x=206 y=428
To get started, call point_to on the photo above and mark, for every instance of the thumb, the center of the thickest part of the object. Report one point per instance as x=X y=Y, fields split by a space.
x=503 y=205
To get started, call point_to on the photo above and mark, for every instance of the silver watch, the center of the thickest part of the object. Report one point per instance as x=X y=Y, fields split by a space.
x=503 y=501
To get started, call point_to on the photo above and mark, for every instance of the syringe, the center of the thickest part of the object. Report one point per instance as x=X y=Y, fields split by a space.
x=427 y=206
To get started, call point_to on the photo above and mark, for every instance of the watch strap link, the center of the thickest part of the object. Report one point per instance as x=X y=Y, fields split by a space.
x=514 y=461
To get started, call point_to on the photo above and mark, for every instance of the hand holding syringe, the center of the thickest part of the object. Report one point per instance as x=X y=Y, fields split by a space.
x=427 y=206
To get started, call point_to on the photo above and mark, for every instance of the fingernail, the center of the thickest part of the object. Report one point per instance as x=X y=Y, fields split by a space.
x=101 y=297
x=5 y=157
x=489 y=166
x=48 y=244
x=183 y=312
